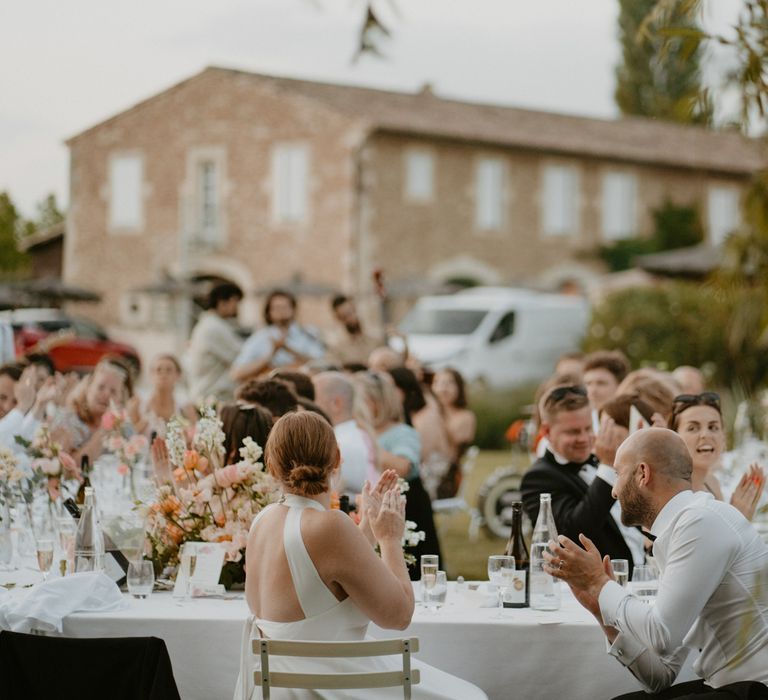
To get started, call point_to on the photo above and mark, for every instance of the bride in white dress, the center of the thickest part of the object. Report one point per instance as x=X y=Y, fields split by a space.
x=312 y=574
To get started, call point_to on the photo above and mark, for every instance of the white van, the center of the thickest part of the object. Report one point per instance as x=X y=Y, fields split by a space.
x=499 y=336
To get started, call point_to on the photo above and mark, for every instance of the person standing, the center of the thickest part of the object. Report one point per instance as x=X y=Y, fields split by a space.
x=350 y=344
x=214 y=345
x=282 y=343
x=712 y=595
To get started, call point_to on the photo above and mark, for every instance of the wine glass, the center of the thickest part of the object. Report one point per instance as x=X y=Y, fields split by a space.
x=620 y=571
x=44 y=556
x=501 y=572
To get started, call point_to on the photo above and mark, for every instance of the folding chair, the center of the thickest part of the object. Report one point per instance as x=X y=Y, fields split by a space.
x=336 y=650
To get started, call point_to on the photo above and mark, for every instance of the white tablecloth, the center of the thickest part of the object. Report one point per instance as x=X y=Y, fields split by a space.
x=526 y=655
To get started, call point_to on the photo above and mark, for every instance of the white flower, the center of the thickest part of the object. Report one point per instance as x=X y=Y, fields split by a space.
x=8 y=463
x=176 y=442
x=209 y=435
x=250 y=451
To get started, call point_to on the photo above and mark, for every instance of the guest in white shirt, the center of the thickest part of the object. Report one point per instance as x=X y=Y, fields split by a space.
x=335 y=394
x=713 y=590
x=214 y=345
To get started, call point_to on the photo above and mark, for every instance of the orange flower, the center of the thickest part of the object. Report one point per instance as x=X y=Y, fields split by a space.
x=179 y=474
x=191 y=460
x=170 y=505
x=176 y=534
x=224 y=538
x=221 y=521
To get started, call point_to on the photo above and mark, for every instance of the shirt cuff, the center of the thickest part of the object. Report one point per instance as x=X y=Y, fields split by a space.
x=607 y=474
x=610 y=598
x=625 y=649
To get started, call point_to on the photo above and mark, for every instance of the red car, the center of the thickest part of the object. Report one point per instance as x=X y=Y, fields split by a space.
x=74 y=344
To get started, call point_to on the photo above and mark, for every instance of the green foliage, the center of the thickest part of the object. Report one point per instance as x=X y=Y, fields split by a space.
x=675 y=226
x=684 y=323
x=659 y=75
x=496 y=410
x=48 y=213
x=12 y=260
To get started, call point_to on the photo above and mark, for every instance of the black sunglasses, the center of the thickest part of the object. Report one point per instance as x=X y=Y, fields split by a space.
x=560 y=392
x=707 y=398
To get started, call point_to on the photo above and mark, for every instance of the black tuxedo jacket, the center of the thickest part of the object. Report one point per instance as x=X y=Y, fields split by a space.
x=577 y=508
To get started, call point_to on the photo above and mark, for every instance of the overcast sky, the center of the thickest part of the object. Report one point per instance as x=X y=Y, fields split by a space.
x=68 y=64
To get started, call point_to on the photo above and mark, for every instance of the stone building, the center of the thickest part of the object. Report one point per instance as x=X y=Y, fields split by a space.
x=263 y=180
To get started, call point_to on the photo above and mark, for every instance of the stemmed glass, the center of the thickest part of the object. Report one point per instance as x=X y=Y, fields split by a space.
x=501 y=572
x=44 y=556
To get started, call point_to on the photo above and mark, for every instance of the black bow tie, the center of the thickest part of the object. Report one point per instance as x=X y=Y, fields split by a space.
x=575 y=467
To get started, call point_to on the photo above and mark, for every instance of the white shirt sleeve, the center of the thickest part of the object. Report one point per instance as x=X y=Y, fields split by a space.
x=10 y=426
x=697 y=556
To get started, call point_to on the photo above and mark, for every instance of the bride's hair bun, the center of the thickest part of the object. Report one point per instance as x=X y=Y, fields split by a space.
x=302 y=452
x=307 y=480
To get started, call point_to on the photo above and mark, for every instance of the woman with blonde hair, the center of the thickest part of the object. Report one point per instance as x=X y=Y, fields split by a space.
x=322 y=580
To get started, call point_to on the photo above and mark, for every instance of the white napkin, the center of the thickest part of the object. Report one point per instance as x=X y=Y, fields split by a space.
x=49 y=603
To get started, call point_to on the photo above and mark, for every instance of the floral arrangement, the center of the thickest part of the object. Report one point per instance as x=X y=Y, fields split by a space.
x=209 y=501
x=10 y=476
x=49 y=462
x=119 y=439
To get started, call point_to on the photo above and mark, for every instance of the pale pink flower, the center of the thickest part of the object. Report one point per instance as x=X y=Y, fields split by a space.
x=108 y=420
x=123 y=469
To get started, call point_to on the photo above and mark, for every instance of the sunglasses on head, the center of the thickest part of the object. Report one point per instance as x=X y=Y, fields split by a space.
x=562 y=391
x=707 y=398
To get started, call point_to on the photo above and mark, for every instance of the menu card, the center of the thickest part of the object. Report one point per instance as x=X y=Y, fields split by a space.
x=209 y=560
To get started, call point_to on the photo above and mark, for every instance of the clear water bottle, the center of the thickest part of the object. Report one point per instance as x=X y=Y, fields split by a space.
x=89 y=541
x=545 y=589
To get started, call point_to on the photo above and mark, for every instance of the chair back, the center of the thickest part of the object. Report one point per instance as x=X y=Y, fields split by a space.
x=405 y=677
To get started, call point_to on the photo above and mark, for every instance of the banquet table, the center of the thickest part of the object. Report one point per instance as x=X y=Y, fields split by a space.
x=525 y=654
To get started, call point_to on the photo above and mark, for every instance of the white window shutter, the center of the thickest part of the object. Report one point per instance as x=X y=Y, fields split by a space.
x=125 y=188
x=723 y=212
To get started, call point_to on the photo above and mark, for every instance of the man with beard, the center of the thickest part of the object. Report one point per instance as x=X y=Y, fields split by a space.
x=282 y=343
x=579 y=479
x=349 y=345
x=713 y=591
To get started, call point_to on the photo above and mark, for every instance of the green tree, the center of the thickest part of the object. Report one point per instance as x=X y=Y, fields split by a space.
x=12 y=260
x=48 y=212
x=659 y=76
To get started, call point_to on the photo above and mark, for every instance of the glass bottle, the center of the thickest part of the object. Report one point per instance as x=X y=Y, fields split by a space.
x=545 y=589
x=85 y=471
x=518 y=595
x=89 y=541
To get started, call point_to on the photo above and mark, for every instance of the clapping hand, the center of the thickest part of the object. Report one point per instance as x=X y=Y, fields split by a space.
x=371 y=498
x=609 y=438
x=389 y=523
x=24 y=390
x=747 y=494
x=161 y=462
x=584 y=570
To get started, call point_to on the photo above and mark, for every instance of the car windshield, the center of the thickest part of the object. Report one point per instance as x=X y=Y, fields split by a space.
x=426 y=321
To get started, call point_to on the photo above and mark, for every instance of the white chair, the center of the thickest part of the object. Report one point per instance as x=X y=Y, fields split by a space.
x=336 y=650
x=458 y=503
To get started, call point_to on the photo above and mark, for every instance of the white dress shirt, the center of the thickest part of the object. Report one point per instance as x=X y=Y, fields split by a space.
x=213 y=347
x=301 y=339
x=357 y=457
x=713 y=597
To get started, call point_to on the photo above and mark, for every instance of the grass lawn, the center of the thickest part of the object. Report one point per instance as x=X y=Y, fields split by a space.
x=460 y=556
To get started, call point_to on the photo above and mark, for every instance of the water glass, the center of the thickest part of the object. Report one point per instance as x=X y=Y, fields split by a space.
x=620 y=571
x=6 y=549
x=434 y=597
x=141 y=578
x=645 y=582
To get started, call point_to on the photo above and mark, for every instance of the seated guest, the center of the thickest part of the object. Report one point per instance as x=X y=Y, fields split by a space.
x=384 y=358
x=335 y=394
x=78 y=426
x=712 y=595
x=571 y=363
x=619 y=408
x=460 y=422
x=399 y=448
x=300 y=382
x=690 y=380
x=422 y=410
x=239 y=421
x=322 y=580
x=603 y=371
x=151 y=415
x=698 y=419
x=569 y=470
x=9 y=375
x=282 y=343
x=276 y=396
x=350 y=343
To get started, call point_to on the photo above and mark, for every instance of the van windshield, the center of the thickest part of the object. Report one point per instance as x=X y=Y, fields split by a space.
x=442 y=321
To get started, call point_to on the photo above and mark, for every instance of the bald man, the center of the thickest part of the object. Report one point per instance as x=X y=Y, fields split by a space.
x=713 y=592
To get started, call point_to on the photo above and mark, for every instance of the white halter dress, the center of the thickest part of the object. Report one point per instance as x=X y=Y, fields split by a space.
x=328 y=619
